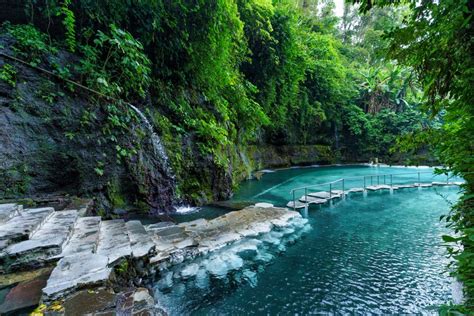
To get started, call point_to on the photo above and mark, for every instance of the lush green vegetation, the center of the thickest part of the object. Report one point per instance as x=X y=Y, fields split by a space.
x=437 y=41
x=225 y=74
x=222 y=75
x=237 y=72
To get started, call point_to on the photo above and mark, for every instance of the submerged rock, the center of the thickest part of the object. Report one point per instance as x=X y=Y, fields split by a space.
x=190 y=271
x=251 y=277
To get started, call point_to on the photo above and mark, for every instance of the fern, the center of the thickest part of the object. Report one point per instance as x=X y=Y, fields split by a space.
x=69 y=23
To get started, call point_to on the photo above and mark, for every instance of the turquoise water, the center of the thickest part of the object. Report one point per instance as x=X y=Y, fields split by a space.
x=378 y=254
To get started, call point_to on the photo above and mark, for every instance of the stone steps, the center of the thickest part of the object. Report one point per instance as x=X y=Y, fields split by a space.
x=76 y=271
x=84 y=238
x=140 y=241
x=114 y=242
x=45 y=243
x=94 y=249
x=8 y=211
x=87 y=248
x=23 y=225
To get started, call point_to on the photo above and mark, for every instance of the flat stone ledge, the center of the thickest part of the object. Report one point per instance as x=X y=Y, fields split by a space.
x=73 y=272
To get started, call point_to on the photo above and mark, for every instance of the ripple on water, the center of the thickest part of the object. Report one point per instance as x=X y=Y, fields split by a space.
x=352 y=261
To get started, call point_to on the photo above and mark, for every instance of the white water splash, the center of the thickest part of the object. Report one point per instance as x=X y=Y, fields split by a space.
x=267 y=171
x=186 y=209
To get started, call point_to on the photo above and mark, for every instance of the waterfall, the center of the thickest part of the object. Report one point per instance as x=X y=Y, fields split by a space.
x=158 y=148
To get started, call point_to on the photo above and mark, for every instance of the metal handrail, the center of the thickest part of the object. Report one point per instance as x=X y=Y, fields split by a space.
x=358 y=177
x=331 y=183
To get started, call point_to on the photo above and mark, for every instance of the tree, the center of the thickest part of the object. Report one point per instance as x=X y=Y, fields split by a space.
x=437 y=41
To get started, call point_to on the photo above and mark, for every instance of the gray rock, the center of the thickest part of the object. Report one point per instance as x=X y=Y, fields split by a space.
x=190 y=271
x=84 y=238
x=75 y=271
x=264 y=205
x=26 y=294
x=158 y=226
x=22 y=226
x=43 y=244
x=114 y=242
x=140 y=240
x=7 y=211
x=169 y=231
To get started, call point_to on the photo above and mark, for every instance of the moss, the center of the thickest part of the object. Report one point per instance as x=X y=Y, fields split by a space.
x=14 y=181
x=115 y=195
x=8 y=74
x=326 y=154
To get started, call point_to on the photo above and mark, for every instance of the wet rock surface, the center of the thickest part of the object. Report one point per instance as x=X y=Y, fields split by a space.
x=91 y=253
x=24 y=295
x=136 y=301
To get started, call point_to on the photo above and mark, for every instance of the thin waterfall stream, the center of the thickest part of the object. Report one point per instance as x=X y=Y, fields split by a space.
x=158 y=147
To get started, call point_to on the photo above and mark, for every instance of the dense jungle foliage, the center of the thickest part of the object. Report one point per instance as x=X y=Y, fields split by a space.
x=232 y=73
x=437 y=41
x=217 y=76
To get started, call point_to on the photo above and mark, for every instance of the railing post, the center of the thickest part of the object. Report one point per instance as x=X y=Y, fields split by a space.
x=364 y=182
x=384 y=179
x=343 y=190
x=447 y=178
x=378 y=180
x=391 y=181
x=306 y=195
x=419 y=182
x=330 y=189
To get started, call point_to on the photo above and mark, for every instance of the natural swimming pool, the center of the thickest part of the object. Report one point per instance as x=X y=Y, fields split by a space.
x=376 y=254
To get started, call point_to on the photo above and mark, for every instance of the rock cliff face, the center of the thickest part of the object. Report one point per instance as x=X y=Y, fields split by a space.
x=46 y=149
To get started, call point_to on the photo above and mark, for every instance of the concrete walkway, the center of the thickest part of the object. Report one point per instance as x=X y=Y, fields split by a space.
x=322 y=197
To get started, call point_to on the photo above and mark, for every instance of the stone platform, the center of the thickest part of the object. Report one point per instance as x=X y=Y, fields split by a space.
x=85 y=250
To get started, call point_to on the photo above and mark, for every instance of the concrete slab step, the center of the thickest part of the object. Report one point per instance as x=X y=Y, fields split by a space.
x=312 y=200
x=114 y=242
x=76 y=271
x=44 y=243
x=21 y=227
x=355 y=190
x=405 y=186
x=8 y=211
x=325 y=195
x=84 y=238
x=140 y=241
x=423 y=185
x=378 y=187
